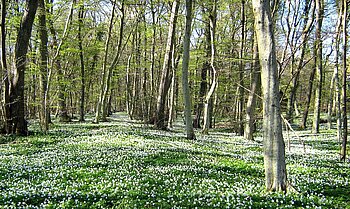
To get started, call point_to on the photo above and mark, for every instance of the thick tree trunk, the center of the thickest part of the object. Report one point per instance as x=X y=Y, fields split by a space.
x=17 y=106
x=166 y=74
x=274 y=149
x=44 y=72
x=319 y=66
x=185 y=63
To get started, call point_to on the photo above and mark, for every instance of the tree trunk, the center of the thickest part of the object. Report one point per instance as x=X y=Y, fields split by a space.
x=274 y=149
x=319 y=70
x=208 y=102
x=44 y=106
x=166 y=74
x=104 y=67
x=6 y=102
x=241 y=72
x=336 y=80
x=304 y=38
x=251 y=103
x=115 y=61
x=17 y=106
x=62 y=106
x=344 y=102
x=82 y=64
x=185 y=63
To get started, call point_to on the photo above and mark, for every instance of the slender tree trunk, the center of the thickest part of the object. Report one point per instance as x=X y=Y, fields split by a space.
x=151 y=104
x=345 y=77
x=241 y=72
x=204 y=71
x=6 y=100
x=336 y=80
x=319 y=70
x=185 y=63
x=274 y=149
x=254 y=87
x=166 y=74
x=17 y=103
x=107 y=87
x=208 y=103
x=308 y=98
x=44 y=106
x=304 y=38
x=82 y=64
x=104 y=67
x=56 y=61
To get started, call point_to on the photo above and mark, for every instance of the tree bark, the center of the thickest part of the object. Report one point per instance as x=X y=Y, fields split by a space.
x=241 y=72
x=6 y=100
x=166 y=74
x=82 y=64
x=44 y=71
x=17 y=106
x=274 y=148
x=345 y=77
x=185 y=63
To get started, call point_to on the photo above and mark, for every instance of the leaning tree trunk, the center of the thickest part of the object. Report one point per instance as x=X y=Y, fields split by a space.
x=274 y=149
x=165 y=80
x=319 y=70
x=44 y=106
x=185 y=64
x=18 y=123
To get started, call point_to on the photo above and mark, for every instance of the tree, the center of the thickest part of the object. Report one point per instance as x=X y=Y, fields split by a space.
x=208 y=99
x=319 y=65
x=6 y=101
x=82 y=63
x=165 y=80
x=17 y=122
x=345 y=76
x=44 y=106
x=185 y=64
x=274 y=149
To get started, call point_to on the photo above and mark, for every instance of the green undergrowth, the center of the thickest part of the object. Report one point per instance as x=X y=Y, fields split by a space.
x=121 y=164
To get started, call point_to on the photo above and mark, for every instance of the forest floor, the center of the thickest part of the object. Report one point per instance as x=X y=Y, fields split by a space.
x=126 y=164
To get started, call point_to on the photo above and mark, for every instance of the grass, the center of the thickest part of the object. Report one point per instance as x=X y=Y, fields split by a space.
x=121 y=164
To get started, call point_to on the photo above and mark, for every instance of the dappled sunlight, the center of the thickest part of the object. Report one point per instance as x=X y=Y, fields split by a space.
x=114 y=165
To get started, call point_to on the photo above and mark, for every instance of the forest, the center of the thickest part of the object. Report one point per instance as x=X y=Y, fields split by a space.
x=174 y=104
